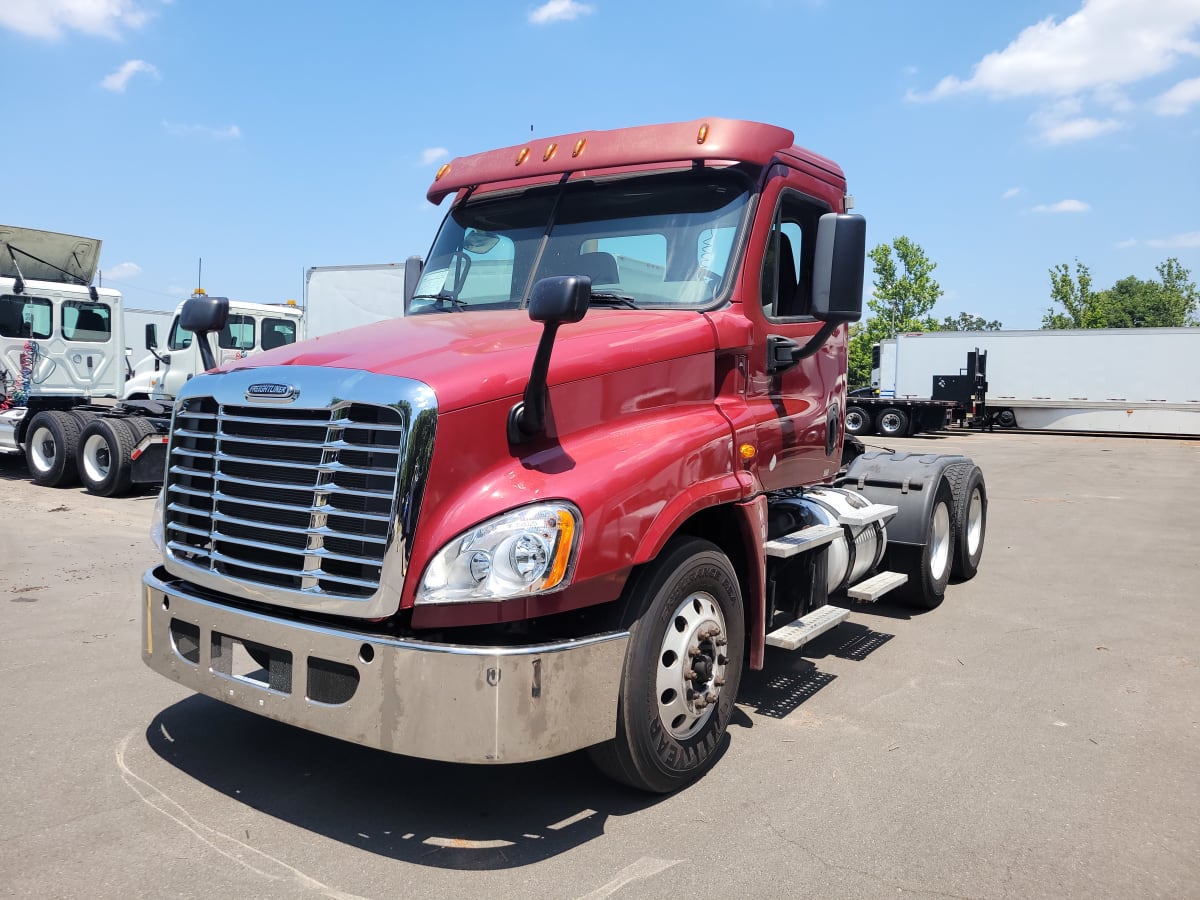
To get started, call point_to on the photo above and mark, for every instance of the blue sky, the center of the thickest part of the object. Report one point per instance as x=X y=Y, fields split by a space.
x=268 y=137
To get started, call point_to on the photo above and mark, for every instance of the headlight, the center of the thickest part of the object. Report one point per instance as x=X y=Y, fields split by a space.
x=527 y=551
x=156 y=522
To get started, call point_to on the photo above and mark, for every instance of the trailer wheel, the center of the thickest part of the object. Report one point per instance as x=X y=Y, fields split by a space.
x=104 y=463
x=682 y=669
x=50 y=448
x=970 y=518
x=928 y=567
x=1006 y=418
x=892 y=422
x=858 y=421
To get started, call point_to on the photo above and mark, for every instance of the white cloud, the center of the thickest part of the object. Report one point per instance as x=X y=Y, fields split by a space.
x=559 y=11
x=51 y=18
x=1063 y=206
x=1189 y=240
x=1179 y=99
x=1060 y=122
x=1126 y=244
x=117 y=81
x=1106 y=43
x=123 y=270
x=432 y=154
x=1011 y=192
x=228 y=133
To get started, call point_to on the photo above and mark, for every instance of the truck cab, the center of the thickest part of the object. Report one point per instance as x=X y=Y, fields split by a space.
x=595 y=469
x=251 y=328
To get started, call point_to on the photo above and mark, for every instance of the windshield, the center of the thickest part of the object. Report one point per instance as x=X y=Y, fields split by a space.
x=663 y=240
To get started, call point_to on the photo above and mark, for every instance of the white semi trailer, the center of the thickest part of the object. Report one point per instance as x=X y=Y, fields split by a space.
x=1133 y=380
x=341 y=297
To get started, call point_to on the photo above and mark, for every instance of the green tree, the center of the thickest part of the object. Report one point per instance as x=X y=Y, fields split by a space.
x=902 y=300
x=1169 y=302
x=968 y=322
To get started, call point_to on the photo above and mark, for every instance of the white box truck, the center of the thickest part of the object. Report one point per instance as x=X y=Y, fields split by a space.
x=1131 y=380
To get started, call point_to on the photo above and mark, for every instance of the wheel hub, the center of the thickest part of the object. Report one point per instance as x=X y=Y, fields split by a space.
x=691 y=669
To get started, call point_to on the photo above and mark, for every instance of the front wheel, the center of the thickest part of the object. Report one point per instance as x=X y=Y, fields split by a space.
x=682 y=669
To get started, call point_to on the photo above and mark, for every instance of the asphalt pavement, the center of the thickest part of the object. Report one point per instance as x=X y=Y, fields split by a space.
x=1036 y=736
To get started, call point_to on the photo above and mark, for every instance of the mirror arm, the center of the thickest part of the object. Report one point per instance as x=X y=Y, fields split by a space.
x=527 y=419
x=206 y=352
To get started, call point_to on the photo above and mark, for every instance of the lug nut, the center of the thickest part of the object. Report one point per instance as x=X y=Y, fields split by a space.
x=710 y=697
x=689 y=675
x=719 y=681
x=693 y=651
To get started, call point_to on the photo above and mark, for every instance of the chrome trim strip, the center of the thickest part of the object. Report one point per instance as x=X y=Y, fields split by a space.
x=436 y=701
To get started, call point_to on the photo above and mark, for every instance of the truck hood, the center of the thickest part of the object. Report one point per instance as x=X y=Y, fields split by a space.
x=476 y=357
x=38 y=252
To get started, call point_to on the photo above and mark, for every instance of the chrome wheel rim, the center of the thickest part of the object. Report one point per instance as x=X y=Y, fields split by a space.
x=890 y=423
x=691 y=665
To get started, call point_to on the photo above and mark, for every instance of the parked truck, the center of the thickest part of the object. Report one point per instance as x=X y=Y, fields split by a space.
x=66 y=402
x=596 y=469
x=251 y=328
x=1123 y=380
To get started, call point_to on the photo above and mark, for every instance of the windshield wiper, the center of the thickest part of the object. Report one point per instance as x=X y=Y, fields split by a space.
x=441 y=297
x=609 y=298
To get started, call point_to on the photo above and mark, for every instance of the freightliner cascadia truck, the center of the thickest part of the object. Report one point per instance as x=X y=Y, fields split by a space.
x=595 y=470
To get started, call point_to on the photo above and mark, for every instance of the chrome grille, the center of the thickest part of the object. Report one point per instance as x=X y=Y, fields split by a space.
x=297 y=499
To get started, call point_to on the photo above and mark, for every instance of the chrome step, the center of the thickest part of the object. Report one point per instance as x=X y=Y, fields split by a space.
x=876 y=512
x=876 y=586
x=803 y=540
x=804 y=629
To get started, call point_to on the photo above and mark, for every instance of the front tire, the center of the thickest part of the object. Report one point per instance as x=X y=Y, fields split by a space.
x=892 y=422
x=50 y=448
x=682 y=669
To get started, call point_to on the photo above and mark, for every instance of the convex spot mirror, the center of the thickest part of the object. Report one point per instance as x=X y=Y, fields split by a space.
x=838 y=268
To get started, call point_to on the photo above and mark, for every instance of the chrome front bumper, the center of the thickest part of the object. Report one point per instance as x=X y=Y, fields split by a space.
x=434 y=701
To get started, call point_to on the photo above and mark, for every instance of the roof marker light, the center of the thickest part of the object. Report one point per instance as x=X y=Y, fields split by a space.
x=579 y=145
x=442 y=170
x=523 y=155
x=702 y=134
x=549 y=154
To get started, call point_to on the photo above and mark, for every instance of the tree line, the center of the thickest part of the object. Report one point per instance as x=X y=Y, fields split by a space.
x=905 y=293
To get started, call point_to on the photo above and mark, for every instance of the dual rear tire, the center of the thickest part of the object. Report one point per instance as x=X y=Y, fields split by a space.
x=105 y=454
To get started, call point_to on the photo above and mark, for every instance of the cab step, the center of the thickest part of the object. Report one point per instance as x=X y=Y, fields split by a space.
x=876 y=512
x=803 y=540
x=876 y=586
x=798 y=633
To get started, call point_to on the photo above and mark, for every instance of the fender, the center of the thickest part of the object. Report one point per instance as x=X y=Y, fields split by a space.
x=906 y=480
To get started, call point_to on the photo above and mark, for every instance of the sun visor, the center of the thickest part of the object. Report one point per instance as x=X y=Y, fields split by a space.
x=41 y=255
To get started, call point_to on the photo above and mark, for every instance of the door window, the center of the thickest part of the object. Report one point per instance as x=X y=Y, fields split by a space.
x=788 y=262
x=25 y=317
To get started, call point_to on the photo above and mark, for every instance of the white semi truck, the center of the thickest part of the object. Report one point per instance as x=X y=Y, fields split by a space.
x=65 y=400
x=1123 y=380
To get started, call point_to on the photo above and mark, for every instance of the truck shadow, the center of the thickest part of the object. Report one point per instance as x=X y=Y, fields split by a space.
x=434 y=814
x=789 y=678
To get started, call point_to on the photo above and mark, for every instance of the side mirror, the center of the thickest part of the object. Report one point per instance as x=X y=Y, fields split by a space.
x=838 y=268
x=559 y=299
x=203 y=315
x=555 y=301
x=151 y=336
x=413 y=267
x=837 y=287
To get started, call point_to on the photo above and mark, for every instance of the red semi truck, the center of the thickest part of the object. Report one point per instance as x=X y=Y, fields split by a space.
x=593 y=473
